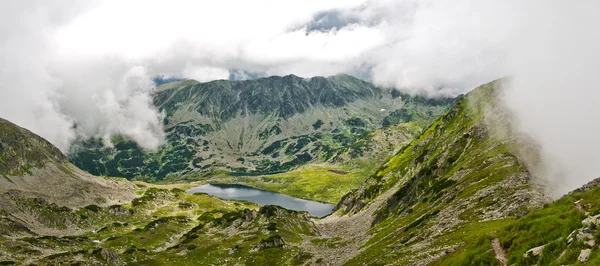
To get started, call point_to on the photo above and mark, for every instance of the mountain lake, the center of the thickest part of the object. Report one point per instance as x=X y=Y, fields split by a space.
x=263 y=197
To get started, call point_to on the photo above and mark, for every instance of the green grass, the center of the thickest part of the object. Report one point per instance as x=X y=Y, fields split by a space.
x=450 y=163
x=548 y=226
x=165 y=227
x=314 y=182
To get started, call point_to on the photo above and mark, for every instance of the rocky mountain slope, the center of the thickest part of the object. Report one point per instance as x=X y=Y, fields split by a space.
x=37 y=176
x=460 y=179
x=53 y=213
x=267 y=125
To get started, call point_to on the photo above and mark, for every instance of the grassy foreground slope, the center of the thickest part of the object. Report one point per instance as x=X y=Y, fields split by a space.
x=561 y=231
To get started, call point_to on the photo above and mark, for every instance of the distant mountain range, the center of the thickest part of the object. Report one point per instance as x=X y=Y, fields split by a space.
x=266 y=125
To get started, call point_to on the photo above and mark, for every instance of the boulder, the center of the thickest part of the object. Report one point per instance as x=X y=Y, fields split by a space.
x=251 y=215
x=590 y=243
x=584 y=255
x=571 y=237
x=591 y=221
x=110 y=256
x=583 y=236
x=534 y=252
x=274 y=241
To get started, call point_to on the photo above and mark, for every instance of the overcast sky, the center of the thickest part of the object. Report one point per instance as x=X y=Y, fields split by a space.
x=90 y=63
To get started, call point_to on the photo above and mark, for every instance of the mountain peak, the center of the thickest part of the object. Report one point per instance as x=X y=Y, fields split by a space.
x=21 y=150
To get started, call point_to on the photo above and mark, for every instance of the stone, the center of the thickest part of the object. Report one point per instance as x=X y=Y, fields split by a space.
x=586 y=221
x=562 y=254
x=572 y=234
x=110 y=256
x=590 y=243
x=583 y=236
x=534 y=252
x=584 y=255
x=234 y=249
x=571 y=237
x=590 y=221
x=274 y=241
x=251 y=215
x=578 y=206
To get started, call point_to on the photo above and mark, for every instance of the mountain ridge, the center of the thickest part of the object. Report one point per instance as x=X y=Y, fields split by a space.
x=457 y=177
x=20 y=150
x=267 y=125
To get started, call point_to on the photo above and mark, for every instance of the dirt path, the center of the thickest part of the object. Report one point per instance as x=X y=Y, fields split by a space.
x=500 y=252
x=352 y=230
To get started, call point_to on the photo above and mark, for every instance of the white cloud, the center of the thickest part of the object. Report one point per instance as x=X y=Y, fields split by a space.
x=205 y=73
x=49 y=91
x=556 y=89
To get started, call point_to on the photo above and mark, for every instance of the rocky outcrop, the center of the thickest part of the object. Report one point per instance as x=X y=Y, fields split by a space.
x=500 y=253
x=251 y=215
x=587 y=187
x=534 y=252
x=274 y=241
x=111 y=257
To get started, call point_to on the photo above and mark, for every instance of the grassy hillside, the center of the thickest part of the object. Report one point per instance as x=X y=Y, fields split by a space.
x=563 y=229
x=461 y=178
x=21 y=150
x=165 y=227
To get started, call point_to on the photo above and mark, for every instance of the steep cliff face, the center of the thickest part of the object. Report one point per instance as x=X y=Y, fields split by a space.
x=37 y=177
x=258 y=126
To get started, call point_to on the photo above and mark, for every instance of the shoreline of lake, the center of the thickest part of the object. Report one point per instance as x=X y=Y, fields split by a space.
x=264 y=197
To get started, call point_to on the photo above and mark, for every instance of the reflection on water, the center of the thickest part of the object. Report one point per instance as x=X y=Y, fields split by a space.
x=262 y=197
